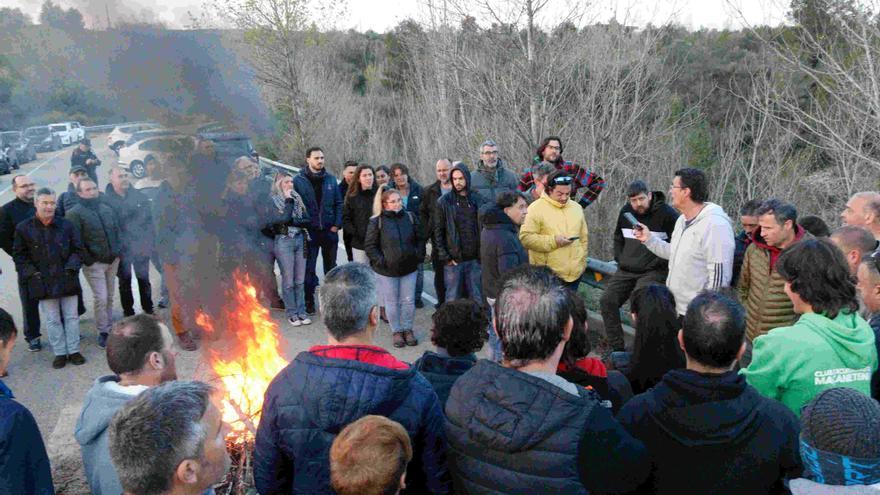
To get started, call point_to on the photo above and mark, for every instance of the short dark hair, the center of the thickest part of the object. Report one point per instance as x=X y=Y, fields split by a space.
x=819 y=274
x=815 y=226
x=782 y=212
x=530 y=314
x=695 y=180
x=45 y=191
x=399 y=166
x=555 y=175
x=578 y=345
x=750 y=208
x=546 y=142
x=506 y=199
x=635 y=188
x=7 y=327
x=852 y=238
x=713 y=329
x=348 y=163
x=312 y=150
x=130 y=342
x=79 y=185
x=383 y=168
x=460 y=327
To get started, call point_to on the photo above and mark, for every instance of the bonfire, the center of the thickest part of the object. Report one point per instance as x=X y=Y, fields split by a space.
x=245 y=353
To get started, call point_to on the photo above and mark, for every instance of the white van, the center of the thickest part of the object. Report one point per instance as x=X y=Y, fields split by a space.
x=64 y=131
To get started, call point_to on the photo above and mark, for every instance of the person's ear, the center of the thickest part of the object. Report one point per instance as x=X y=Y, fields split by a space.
x=374 y=316
x=876 y=290
x=566 y=332
x=741 y=351
x=402 y=482
x=187 y=472
x=157 y=361
x=681 y=340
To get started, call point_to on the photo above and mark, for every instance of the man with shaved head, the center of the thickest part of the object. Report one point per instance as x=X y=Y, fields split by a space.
x=13 y=213
x=863 y=210
x=427 y=214
x=135 y=217
x=855 y=242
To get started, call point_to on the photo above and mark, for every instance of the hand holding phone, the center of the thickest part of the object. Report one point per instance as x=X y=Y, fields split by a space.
x=632 y=220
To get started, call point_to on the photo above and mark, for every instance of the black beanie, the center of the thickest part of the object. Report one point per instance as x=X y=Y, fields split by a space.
x=843 y=421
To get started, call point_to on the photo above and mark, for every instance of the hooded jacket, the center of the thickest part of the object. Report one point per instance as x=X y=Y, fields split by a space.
x=393 y=243
x=447 y=236
x=500 y=249
x=631 y=255
x=793 y=364
x=356 y=213
x=545 y=220
x=700 y=254
x=91 y=433
x=514 y=433
x=488 y=182
x=762 y=289
x=713 y=434
x=24 y=464
x=443 y=371
x=98 y=227
x=323 y=390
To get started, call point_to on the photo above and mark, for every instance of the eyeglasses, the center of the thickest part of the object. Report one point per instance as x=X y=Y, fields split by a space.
x=493 y=152
x=562 y=180
x=557 y=148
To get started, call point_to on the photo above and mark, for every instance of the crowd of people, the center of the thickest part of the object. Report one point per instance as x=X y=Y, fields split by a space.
x=753 y=367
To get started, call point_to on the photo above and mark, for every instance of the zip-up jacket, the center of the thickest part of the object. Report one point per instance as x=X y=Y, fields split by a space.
x=631 y=255
x=356 y=214
x=393 y=243
x=329 y=212
x=488 y=182
x=447 y=236
x=99 y=230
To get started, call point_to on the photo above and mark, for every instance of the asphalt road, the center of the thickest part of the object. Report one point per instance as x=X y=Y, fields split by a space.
x=55 y=396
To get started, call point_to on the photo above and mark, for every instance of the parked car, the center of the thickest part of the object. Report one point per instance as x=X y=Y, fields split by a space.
x=120 y=134
x=43 y=138
x=20 y=150
x=230 y=146
x=132 y=157
x=148 y=133
x=66 y=132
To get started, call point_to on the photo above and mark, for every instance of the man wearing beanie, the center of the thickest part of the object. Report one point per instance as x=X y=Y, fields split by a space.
x=706 y=429
x=840 y=444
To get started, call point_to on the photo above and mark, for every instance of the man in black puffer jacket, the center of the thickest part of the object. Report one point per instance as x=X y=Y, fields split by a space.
x=521 y=429
x=706 y=429
x=99 y=230
x=636 y=265
x=457 y=236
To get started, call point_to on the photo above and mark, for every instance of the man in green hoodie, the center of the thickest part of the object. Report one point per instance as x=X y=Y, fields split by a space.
x=829 y=346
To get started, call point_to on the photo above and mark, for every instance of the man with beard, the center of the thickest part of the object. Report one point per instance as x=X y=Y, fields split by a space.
x=550 y=151
x=493 y=175
x=11 y=214
x=636 y=265
x=141 y=354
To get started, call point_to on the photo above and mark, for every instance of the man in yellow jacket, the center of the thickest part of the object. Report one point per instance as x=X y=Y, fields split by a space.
x=555 y=232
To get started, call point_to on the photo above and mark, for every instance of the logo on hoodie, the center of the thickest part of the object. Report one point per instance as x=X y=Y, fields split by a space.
x=841 y=375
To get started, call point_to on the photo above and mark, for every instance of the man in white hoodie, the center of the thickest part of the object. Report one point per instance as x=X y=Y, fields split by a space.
x=141 y=354
x=700 y=253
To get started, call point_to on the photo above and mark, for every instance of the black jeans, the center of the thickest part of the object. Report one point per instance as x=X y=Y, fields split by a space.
x=439 y=283
x=619 y=288
x=141 y=266
x=328 y=243
x=30 y=312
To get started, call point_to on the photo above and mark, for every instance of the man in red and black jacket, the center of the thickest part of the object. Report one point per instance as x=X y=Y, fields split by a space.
x=550 y=151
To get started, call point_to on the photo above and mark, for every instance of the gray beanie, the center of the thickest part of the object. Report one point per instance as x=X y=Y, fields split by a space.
x=843 y=421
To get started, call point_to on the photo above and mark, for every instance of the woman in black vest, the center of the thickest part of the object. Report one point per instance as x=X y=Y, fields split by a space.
x=395 y=249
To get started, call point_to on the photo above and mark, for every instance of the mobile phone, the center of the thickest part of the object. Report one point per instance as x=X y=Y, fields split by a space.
x=632 y=220
x=574 y=238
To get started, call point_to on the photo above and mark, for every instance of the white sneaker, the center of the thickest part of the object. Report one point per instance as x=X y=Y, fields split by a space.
x=306 y=321
x=294 y=321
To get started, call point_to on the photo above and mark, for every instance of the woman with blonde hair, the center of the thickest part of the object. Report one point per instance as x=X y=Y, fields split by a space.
x=395 y=248
x=287 y=227
x=358 y=208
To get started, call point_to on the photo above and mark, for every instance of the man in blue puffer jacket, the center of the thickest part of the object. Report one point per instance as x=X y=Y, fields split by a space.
x=328 y=387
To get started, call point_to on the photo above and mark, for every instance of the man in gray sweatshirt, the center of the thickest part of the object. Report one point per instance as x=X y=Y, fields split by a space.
x=141 y=354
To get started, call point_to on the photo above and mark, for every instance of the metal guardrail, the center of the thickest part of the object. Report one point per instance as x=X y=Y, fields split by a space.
x=283 y=166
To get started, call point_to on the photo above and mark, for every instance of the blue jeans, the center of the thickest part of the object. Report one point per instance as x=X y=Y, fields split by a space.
x=61 y=318
x=291 y=256
x=420 y=281
x=495 y=353
x=465 y=273
x=398 y=294
x=327 y=242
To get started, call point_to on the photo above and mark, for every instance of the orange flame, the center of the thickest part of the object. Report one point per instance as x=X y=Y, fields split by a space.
x=248 y=358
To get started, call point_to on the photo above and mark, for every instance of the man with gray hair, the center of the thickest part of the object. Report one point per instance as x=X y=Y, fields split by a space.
x=330 y=386
x=863 y=210
x=170 y=439
x=540 y=174
x=518 y=427
x=492 y=175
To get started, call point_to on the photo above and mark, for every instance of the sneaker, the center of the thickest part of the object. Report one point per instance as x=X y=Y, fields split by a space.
x=419 y=303
x=310 y=308
x=102 y=341
x=294 y=321
x=410 y=338
x=59 y=362
x=186 y=342
x=76 y=358
x=35 y=346
x=399 y=340
x=305 y=321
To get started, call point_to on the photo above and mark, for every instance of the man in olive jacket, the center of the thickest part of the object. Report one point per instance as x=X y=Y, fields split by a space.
x=761 y=288
x=98 y=227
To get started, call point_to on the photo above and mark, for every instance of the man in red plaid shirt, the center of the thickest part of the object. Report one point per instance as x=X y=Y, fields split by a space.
x=551 y=151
